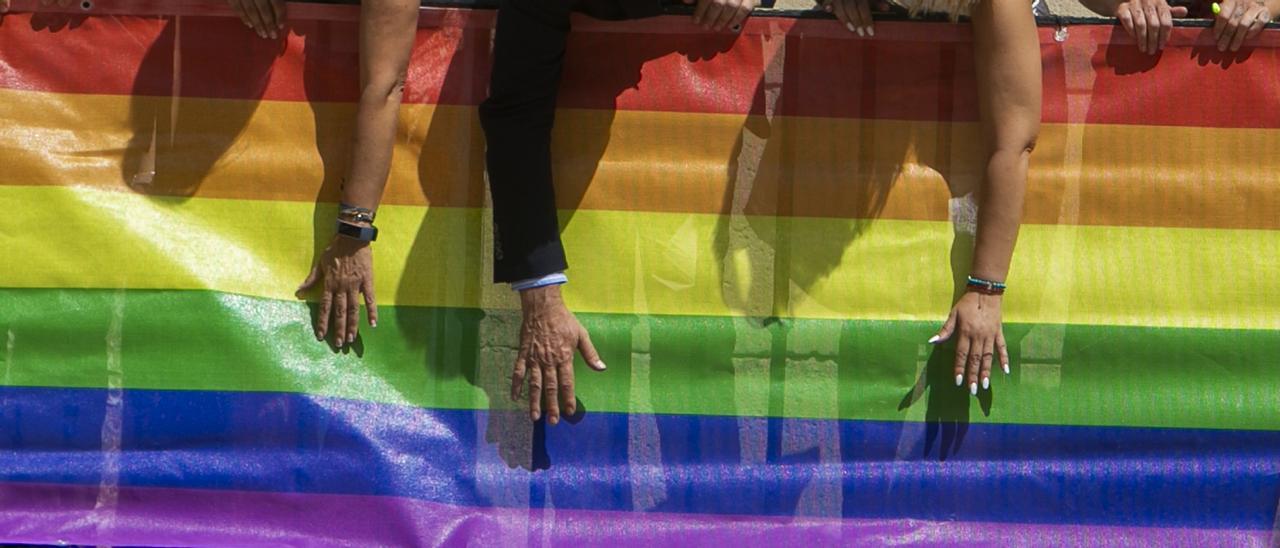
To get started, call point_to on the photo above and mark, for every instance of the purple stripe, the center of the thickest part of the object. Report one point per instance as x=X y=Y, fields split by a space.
x=43 y=513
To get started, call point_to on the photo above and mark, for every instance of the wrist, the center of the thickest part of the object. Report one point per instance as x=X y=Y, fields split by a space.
x=541 y=297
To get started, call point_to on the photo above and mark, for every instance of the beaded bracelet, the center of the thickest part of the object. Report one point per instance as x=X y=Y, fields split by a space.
x=986 y=286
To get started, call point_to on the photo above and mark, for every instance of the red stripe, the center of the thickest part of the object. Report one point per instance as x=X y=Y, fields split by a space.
x=910 y=71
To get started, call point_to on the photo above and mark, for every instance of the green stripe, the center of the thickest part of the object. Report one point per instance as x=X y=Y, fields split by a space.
x=459 y=358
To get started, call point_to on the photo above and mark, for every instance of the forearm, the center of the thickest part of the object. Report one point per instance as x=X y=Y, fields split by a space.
x=517 y=119
x=1008 y=75
x=387 y=30
x=999 y=216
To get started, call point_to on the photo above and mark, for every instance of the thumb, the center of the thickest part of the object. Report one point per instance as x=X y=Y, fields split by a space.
x=947 y=329
x=1178 y=11
x=588 y=350
x=310 y=281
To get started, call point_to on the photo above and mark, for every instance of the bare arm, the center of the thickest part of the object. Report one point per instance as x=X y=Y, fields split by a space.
x=387 y=30
x=1007 y=59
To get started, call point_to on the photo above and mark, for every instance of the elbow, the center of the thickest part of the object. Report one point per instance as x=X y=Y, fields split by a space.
x=383 y=89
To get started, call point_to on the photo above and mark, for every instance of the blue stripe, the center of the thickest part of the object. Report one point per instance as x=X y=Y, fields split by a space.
x=669 y=463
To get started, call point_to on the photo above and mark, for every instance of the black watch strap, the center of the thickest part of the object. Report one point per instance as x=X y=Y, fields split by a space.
x=362 y=233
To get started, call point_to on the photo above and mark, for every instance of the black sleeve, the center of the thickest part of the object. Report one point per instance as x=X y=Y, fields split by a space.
x=528 y=54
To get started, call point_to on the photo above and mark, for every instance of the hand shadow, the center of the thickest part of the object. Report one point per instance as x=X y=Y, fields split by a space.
x=1124 y=57
x=179 y=134
x=948 y=406
x=1209 y=55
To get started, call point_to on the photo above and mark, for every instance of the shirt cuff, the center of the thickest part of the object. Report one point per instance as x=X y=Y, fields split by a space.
x=557 y=278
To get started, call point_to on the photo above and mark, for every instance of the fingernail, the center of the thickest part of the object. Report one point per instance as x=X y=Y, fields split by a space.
x=986 y=383
x=351 y=338
x=373 y=324
x=934 y=339
x=871 y=32
x=533 y=415
x=973 y=388
x=1005 y=366
x=600 y=366
x=319 y=337
x=274 y=35
x=553 y=420
x=861 y=32
x=959 y=380
x=827 y=8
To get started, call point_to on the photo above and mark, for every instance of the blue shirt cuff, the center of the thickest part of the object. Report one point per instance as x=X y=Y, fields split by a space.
x=557 y=278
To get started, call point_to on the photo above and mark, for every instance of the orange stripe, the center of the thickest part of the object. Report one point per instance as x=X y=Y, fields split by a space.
x=637 y=161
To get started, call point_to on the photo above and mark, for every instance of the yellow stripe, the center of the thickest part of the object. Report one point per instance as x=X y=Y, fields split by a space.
x=649 y=263
x=646 y=161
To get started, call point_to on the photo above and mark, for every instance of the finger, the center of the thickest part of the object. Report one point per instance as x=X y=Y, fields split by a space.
x=551 y=391
x=254 y=18
x=353 y=316
x=1229 y=30
x=278 y=6
x=1153 y=27
x=988 y=352
x=1126 y=21
x=268 y=19
x=535 y=391
x=727 y=13
x=1220 y=21
x=565 y=377
x=837 y=7
x=339 y=317
x=1258 y=23
x=1139 y=27
x=310 y=281
x=370 y=302
x=322 y=317
x=700 y=12
x=947 y=329
x=517 y=375
x=973 y=364
x=864 y=9
x=1178 y=11
x=1237 y=38
x=588 y=351
x=4 y=6
x=238 y=7
x=962 y=358
x=853 y=18
x=1166 y=25
x=740 y=17
x=1003 y=350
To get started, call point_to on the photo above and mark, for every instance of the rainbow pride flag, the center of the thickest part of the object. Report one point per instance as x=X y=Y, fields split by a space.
x=761 y=241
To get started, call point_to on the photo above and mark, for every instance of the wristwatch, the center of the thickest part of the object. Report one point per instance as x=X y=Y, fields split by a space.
x=362 y=233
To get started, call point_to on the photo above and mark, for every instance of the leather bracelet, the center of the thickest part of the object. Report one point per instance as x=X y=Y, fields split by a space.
x=357 y=232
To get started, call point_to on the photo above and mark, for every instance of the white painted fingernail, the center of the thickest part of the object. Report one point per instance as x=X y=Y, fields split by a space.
x=934 y=339
x=986 y=383
x=1005 y=366
x=871 y=31
x=973 y=388
x=600 y=366
x=959 y=380
x=850 y=27
x=373 y=323
x=862 y=32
